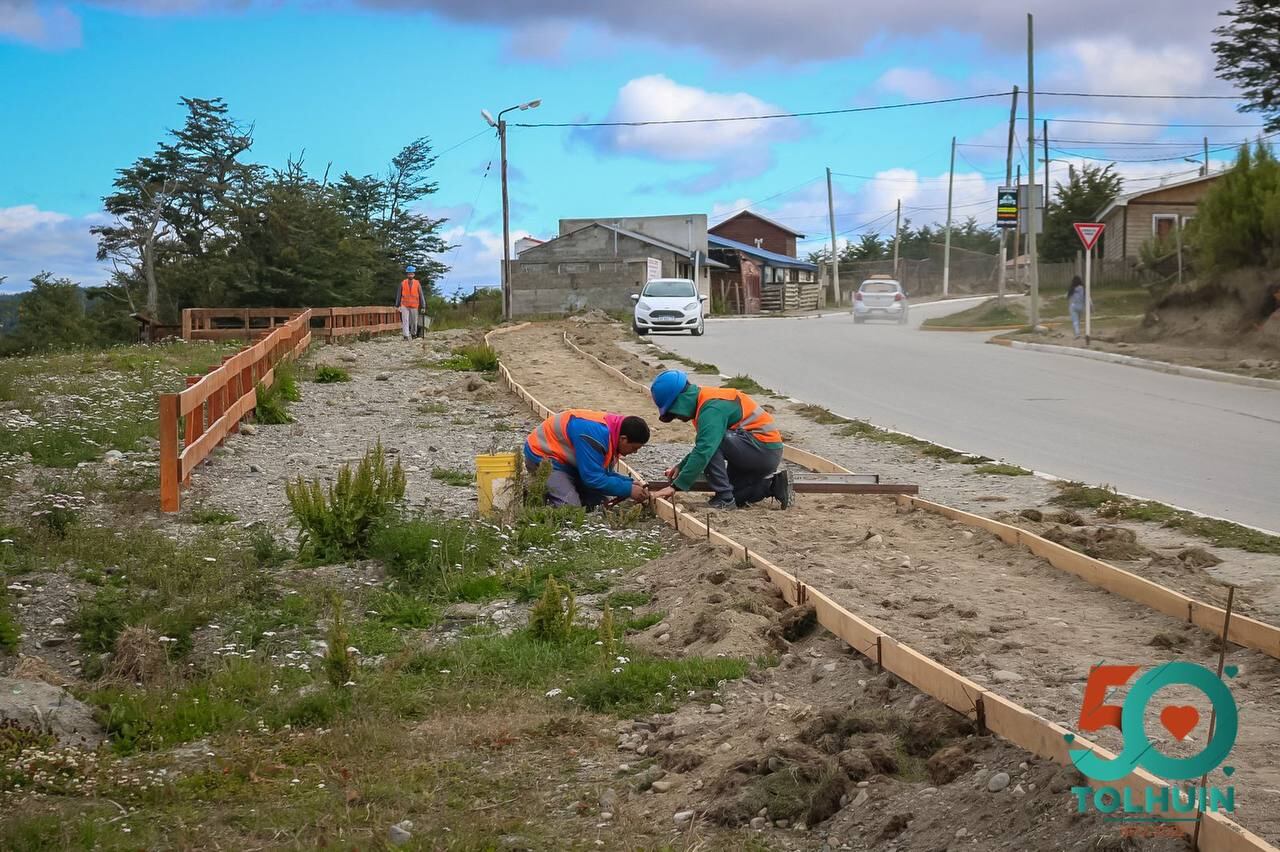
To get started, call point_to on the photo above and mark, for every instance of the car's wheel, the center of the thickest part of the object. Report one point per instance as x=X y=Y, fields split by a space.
x=640 y=331
x=697 y=331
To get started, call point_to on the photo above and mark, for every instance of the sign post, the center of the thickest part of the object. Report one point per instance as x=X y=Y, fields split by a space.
x=1088 y=232
x=1007 y=207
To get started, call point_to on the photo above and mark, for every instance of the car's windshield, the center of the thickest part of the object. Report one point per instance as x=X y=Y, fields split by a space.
x=671 y=289
x=879 y=287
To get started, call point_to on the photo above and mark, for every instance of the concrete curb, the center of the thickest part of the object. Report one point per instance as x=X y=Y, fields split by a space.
x=1145 y=364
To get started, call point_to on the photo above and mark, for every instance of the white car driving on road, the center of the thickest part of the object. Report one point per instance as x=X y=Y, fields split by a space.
x=669 y=304
x=880 y=296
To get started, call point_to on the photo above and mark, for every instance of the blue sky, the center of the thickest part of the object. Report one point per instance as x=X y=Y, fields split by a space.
x=93 y=87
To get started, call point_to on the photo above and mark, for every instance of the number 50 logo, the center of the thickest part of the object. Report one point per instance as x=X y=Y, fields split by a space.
x=1128 y=718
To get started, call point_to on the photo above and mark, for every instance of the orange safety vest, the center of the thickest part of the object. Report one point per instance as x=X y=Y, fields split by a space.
x=410 y=293
x=755 y=419
x=551 y=439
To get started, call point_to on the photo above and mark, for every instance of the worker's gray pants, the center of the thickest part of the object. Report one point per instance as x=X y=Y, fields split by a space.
x=566 y=489
x=742 y=468
x=408 y=322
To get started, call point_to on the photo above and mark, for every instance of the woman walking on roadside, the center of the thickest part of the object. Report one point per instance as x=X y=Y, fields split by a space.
x=1075 y=303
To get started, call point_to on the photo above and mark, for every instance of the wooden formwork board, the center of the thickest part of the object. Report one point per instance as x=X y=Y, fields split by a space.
x=1244 y=631
x=999 y=715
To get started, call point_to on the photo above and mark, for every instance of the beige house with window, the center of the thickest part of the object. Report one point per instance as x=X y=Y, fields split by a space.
x=1135 y=218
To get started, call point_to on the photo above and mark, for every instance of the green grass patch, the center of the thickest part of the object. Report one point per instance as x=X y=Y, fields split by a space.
x=694 y=365
x=339 y=523
x=989 y=313
x=327 y=374
x=576 y=666
x=628 y=600
x=643 y=622
x=433 y=408
x=272 y=407
x=9 y=629
x=478 y=358
x=213 y=517
x=1001 y=470
x=448 y=476
x=820 y=415
x=746 y=384
x=1107 y=302
x=1108 y=504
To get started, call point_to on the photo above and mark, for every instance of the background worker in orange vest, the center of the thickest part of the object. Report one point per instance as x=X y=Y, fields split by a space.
x=737 y=443
x=583 y=448
x=409 y=300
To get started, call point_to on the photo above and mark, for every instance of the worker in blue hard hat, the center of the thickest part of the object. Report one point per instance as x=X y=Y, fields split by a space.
x=737 y=444
x=409 y=299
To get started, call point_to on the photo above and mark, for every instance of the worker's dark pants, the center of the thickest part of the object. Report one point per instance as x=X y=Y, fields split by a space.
x=566 y=489
x=743 y=468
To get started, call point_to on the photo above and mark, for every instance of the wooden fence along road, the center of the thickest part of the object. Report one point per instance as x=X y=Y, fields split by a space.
x=196 y=421
x=325 y=323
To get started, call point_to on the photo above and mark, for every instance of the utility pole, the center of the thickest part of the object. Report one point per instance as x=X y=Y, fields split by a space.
x=506 y=223
x=897 y=237
x=835 y=258
x=1017 y=232
x=1206 y=157
x=1045 y=141
x=1008 y=176
x=946 y=251
x=1031 y=174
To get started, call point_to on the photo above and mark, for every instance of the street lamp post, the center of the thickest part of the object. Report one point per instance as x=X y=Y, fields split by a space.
x=501 y=126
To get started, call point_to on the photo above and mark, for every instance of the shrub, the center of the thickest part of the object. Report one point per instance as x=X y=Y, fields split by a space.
x=478 y=358
x=551 y=618
x=9 y=630
x=340 y=525
x=337 y=659
x=270 y=409
x=1237 y=223
x=327 y=375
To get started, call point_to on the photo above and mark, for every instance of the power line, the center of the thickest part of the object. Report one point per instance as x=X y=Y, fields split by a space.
x=1126 y=96
x=768 y=116
x=1196 y=151
x=440 y=154
x=751 y=204
x=1137 y=123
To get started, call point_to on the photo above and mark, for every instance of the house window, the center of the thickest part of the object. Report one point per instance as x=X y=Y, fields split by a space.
x=569 y=268
x=806 y=276
x=1163 y=225
x=533 y=267
x=608 y=267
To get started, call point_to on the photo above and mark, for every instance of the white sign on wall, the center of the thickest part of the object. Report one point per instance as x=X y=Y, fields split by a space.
x=654 y=269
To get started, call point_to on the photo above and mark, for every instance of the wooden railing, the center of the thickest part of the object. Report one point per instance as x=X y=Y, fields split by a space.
x=197 y=420
x=249 y=323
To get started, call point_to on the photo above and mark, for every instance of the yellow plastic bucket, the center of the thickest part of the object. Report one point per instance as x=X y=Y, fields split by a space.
x=494 y=475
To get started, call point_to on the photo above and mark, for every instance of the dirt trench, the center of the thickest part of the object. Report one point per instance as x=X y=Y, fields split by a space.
x=994 y=613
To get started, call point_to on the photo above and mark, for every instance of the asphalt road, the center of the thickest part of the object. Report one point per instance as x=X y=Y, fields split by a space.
x=1207 y=446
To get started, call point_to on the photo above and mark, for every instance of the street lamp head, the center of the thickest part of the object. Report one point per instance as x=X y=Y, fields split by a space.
x=488 y=117
x=533 y=104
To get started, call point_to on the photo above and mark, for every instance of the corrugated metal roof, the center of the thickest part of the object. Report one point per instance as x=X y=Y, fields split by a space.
x=772 y=258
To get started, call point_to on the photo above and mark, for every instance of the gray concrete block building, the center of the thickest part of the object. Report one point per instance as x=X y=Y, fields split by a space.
x=600 y=263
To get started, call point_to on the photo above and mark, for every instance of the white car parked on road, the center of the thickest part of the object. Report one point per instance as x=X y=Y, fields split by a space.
x=880 y=296
x=669 y=304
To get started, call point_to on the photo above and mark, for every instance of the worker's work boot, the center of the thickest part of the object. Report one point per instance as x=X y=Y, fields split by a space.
x=781 y=489
x=722 y=503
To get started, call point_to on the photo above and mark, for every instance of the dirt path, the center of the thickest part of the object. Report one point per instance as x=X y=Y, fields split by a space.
x=997 y=614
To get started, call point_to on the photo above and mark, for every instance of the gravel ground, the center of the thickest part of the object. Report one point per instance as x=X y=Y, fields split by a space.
x=429 y=418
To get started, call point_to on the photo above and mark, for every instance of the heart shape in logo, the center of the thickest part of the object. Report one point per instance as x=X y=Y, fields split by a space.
x=1232 y=671
x=1179 y=720
x=1069 y=737
x=1228 y=771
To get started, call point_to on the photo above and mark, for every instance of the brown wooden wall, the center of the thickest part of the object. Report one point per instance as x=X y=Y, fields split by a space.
x=747 y=229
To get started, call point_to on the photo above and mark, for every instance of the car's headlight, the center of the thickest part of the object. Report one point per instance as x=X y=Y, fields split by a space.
x=691 y=306
x=644 y=306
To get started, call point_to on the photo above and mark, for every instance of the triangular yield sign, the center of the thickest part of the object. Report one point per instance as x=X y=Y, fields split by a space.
x=1088 y=232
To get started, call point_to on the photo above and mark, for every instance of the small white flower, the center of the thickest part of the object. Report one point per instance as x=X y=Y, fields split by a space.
x=446 y=671
x=552 y=693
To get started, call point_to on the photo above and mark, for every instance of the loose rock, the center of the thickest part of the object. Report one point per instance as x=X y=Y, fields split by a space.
x=998 y=782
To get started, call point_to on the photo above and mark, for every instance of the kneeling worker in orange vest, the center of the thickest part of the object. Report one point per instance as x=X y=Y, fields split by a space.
x=583 y=448
x=409 y=299
x=737 y=443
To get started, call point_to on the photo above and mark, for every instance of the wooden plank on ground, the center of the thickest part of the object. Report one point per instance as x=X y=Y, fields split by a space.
x=930 y=677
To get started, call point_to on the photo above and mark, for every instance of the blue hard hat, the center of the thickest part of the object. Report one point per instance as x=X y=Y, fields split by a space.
x=410 y=269
x=665 y=388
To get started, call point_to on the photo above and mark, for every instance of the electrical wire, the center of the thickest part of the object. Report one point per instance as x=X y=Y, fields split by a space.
x=466 y=228
x=769 y=116
x=1113 y=96
x=440 y=154
x=751 y=204
x=1136 y=123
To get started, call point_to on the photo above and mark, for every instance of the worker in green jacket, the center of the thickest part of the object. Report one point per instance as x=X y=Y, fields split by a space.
x=737 y=443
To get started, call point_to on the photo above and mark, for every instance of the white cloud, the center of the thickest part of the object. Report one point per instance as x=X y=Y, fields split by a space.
x=51 y=26
x=657 y=97
x=34 y=240
x=476 y=259
x=913 y=83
